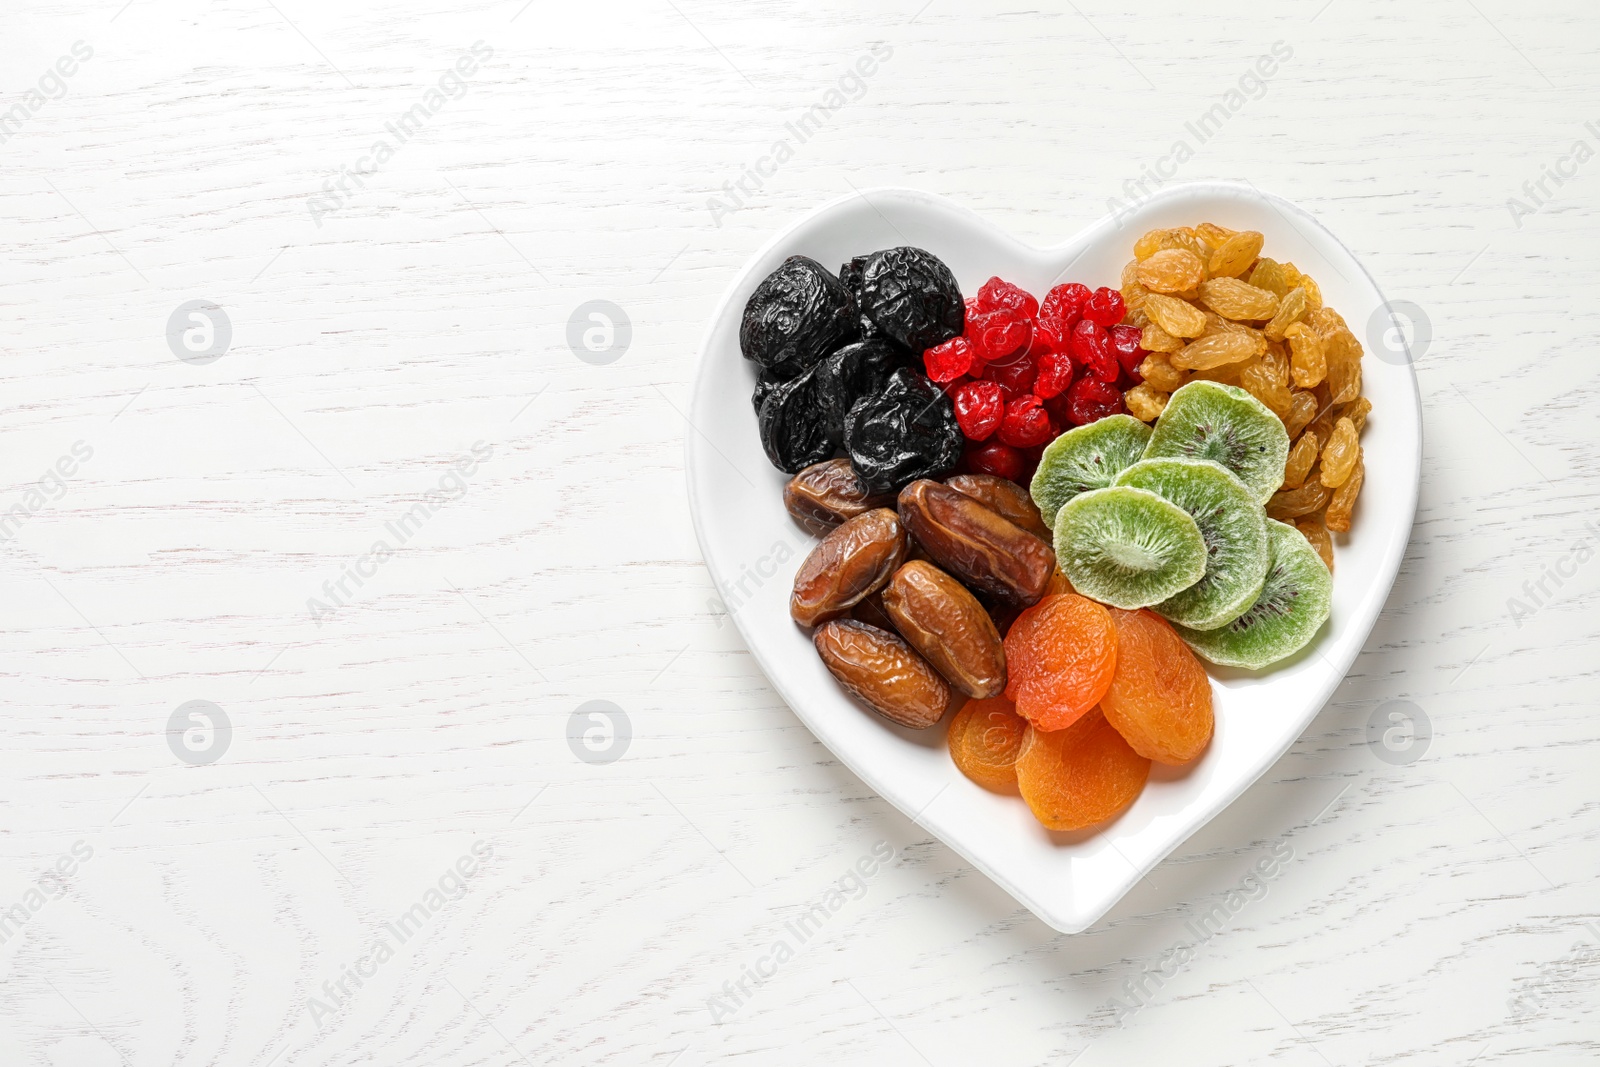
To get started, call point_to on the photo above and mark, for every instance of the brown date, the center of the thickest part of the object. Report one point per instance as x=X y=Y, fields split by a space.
x=870 y=611
x=826 y=494
x=986 y=551
x=1006 y=497
x=883 y=672
x=945 y=623
x=854 y=560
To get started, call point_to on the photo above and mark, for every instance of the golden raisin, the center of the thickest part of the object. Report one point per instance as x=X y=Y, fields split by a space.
x=1357 y=412
x=1344 y=380
x=1293 y=503
x=1290 y=308
x=1154 y=339
x=1178 y=317
x=1234 y=256
x=1340 y=454
x=1302 y=409
x=1267 y=381
x=1210 y=231
x=1269 y=275
x=1240 y=301
x=1145 y=403
x=1301 y=459
x=1215 y=349
x=1307 y=363
x=1317 y=534
x=1344 y=499
x=1172 y=270
x=1158 y=371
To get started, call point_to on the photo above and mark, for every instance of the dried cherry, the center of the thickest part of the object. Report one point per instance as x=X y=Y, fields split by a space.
x=979 y=408
x=1090 y=400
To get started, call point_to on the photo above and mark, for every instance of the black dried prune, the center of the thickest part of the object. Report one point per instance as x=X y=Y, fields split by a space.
x=906 y=432
x=798 y=314
x=851 y=373
x=910 y=294
x=765 y=383
x=794 y=432
x=850 y=276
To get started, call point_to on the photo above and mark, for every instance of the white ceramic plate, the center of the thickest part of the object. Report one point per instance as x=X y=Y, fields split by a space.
x=753 y=548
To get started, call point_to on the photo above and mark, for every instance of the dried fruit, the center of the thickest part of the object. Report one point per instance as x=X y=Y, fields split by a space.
x=1233 y=299
x=948 y=361
x=1344 y=499
x=1307 y=363
x=1004 y=497
x=1264 y=379
x=1160 y=698
x=985 y=738
x=1215 y=349
x=945 y=623
x=1210 y=231
x=1144 y=403
x=1026 y=423
x=1063 y=305
x=1105 y=307
x=1054 y=375
x=1235 y=254
x=1075 y=778
x=989 y=553
x=997 y=294
x=1357 y=412
x=1317 y=534
x=870 y=611
x=992 y=457
x=979 y=407
x=1089 y=401
x=1269 y=275
x=1302 y=457
x=856 y=559
x=882 y=671
x=1178 y=317
x=1340 y=454
x=1290 y=309
x=826 y=494
x=1090 y=346
x=908 y=431
x=1158 y=371
x=910 y=295
x=1172 y=270
x=793 y=426
x=1293 y=503
x=798 y=314
x=1060 y=656
x=1344 y=380
x=1154 y=339
x=1303 y=408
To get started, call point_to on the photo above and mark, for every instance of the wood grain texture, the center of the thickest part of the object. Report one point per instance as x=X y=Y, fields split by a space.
x=428 y=313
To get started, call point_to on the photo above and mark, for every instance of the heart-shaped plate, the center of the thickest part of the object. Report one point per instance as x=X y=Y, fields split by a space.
x=753 y=548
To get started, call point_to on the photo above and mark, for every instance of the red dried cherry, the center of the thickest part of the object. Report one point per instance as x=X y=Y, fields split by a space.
x=994 y=458
x=1125 y=343
x=1089 y=400
x=1015 y=373
x=1055 y=374
x=997 y=294
x=979 y=408
x=1026 y=423
x=1063 y=305
x=997 y=334
x=1090 y=346
x=1105 y=307
x=948 y=361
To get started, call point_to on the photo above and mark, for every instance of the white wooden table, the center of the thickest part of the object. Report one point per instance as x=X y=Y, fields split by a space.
x=374 y=843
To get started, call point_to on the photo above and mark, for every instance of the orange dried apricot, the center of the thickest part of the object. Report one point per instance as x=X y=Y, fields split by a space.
x=1060 y=656
x=985 y=739
x=1079 y=776
x=1160 y=697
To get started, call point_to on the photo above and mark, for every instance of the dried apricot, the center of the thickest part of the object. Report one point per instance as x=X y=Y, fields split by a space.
x=1172 y=270
x=1060 y=656
x=1080 y=776
x=985 y=739
x=1160 y=697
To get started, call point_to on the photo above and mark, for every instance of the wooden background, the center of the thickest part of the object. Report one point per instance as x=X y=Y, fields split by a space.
x=1438 y=909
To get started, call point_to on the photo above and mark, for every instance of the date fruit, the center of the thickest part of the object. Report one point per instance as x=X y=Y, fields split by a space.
x=988 y=552
x=1009 y=499
x=948 y=626
x=856 y=559
x=827 y=493
x=883 y=672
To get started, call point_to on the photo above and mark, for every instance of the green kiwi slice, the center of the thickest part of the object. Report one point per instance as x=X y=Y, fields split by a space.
x=1226 y=426
x=1128 y=547
x=1084 y=458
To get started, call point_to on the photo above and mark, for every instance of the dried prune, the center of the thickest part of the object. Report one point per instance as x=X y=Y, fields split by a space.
x=826 y=494
x=798 y=314
x=909 y=294
x=906 y=432
x=766 y=382
x=855 y=371
x=794 y=431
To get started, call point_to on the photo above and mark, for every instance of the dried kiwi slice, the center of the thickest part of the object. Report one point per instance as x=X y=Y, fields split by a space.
x=1128 y=547
x=1227 y=426
x=1085 y=458
x=1235 y=532
x=1293 y=605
